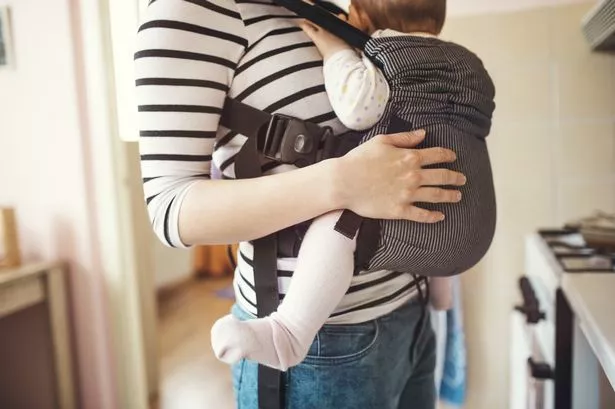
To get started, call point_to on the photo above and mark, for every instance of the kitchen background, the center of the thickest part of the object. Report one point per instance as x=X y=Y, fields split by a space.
x=552 y=146
x=553 y=153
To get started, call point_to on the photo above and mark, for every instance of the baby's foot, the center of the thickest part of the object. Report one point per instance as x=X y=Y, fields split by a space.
x=264 y=340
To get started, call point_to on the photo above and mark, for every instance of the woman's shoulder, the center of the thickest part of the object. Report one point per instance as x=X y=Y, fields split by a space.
x=207 y=12
x=199 y=20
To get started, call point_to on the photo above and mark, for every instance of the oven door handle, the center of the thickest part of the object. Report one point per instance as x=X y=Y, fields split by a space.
x=540 y=370
x=530 y=307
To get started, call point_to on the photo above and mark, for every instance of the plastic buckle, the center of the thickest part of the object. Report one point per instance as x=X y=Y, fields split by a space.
x=293 y=141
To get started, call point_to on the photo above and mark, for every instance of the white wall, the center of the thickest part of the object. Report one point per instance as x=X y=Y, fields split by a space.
x=470 y=7
x=45 y=175
x=171 y=265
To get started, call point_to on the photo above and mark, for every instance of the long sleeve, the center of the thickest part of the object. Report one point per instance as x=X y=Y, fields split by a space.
x=186 y=56
x=357 y=89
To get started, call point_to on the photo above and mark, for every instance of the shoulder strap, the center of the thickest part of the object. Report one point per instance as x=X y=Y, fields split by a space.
x=328 y=21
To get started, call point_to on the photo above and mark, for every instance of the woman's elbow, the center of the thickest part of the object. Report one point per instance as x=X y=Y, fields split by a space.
x=164 y=225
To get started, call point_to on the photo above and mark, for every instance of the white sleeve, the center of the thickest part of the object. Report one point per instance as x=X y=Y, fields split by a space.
x=357 y=89
x=182 y=77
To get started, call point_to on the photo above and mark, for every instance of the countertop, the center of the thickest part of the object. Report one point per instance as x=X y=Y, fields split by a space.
x=592 y=298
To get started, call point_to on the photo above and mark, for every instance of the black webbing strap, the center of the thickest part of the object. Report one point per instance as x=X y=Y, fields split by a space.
x=270 y=381
x=424 y=300
x=348 y=224
x=328 y=21
x=367 y=243
x=243 y=118
x=247 y=166
x=279 y=137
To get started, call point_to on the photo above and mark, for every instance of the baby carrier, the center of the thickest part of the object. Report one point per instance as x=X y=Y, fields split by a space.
x=457 y=115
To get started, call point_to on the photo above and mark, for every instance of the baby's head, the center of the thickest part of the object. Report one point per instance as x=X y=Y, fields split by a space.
x=407 y=16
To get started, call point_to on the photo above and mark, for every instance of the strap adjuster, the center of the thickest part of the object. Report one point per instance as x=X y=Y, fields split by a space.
x=293 y=141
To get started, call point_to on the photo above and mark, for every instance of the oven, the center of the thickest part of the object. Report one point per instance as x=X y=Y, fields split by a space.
x=532 y=351
x=543 y=332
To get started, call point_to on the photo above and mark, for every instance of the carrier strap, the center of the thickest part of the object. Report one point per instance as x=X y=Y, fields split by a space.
x=278 y=137
x=247 y=166
x=243 y=118
x=270 y=381
x=328 y=21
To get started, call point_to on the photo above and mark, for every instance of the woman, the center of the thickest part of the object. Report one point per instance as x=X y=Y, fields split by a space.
x=377 y=352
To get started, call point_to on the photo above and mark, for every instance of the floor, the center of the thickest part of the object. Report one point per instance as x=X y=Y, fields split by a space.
x=190 y=375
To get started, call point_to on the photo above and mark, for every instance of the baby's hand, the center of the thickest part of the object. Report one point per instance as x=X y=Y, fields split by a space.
x=327 y=43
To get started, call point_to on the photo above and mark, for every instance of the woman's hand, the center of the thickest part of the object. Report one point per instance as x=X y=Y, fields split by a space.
x=381 y=181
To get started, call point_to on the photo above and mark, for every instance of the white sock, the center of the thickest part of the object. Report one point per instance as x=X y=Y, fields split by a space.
x=324 y=270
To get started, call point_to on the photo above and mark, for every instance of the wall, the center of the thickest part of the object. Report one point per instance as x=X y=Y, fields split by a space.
x=458 y=8
x=553 y=152
x=470 y=7
x=44 y=173
x=171 y=266
x=146 y=268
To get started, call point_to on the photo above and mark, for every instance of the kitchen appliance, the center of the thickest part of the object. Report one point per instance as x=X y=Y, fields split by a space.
x=542 y=324
x=599 y=26
x=598 y=230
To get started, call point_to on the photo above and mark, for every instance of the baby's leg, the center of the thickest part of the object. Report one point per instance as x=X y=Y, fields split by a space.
x=324 y=270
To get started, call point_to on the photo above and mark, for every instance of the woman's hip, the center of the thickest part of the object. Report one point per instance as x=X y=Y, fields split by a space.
x=366 y=365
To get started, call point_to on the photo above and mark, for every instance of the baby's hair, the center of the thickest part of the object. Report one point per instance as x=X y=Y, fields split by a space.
x=405 y=15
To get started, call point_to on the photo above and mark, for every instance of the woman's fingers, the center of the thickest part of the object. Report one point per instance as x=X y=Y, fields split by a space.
x=436 y=195
x=404 y=139
x=425 y=156
x=432 y=156
x=441 y=177
x=416 y=214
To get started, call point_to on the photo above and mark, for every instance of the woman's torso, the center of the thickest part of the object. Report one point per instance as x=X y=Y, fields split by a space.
x=281 y=71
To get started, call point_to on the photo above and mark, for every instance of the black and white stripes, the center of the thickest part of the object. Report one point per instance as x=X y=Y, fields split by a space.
x=192 y=53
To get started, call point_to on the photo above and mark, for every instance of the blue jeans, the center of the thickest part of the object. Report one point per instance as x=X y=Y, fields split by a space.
x=371 y=365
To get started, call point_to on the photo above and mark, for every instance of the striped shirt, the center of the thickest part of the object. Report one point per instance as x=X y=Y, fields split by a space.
x=192 y=54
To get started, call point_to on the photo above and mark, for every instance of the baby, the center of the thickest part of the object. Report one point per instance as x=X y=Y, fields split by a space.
x=359 y=93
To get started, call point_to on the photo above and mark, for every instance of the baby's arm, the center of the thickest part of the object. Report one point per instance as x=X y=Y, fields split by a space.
x=356 y=88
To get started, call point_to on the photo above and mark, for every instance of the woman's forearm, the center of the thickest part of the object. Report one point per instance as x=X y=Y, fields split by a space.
x=380 y=179
x=230 y=211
